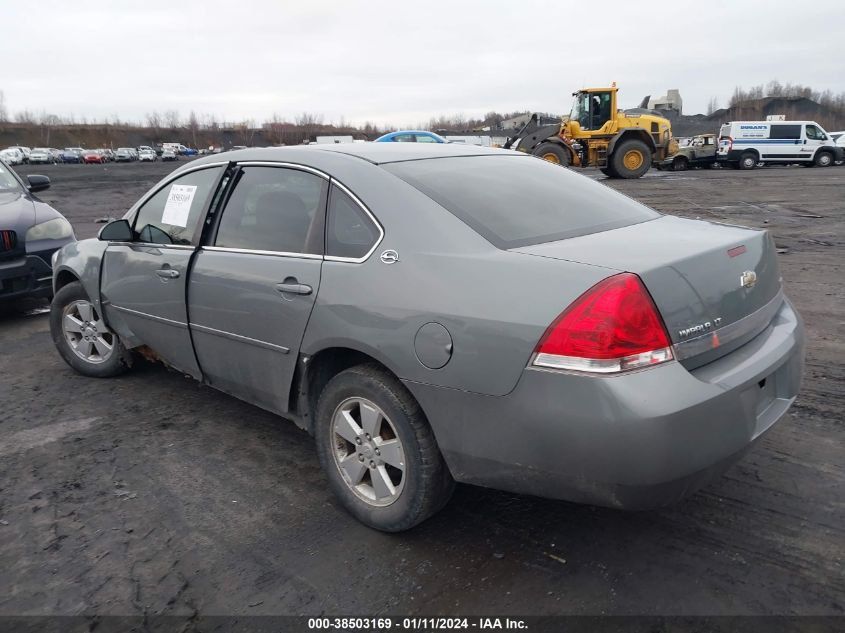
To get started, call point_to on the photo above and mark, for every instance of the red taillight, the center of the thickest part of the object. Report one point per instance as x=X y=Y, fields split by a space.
x=612 y=327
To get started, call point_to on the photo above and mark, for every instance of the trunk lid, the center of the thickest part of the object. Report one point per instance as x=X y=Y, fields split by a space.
x=716 y=286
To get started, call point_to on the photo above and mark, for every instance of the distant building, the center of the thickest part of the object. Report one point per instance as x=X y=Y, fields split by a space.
x=670 y=101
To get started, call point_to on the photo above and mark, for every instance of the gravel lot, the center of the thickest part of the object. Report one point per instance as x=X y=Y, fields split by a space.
x=151 y=494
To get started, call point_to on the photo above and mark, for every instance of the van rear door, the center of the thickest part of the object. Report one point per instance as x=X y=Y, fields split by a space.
x=725 y=141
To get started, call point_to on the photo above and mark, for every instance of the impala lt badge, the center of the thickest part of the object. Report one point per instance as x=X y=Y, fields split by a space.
x=700 y=328
x=748 y=279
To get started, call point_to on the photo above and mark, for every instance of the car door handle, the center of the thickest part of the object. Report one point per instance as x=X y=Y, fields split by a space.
x=167 y=273
x=294 y=288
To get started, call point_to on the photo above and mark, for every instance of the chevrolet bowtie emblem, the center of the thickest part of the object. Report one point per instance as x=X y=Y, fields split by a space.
x=748 y=279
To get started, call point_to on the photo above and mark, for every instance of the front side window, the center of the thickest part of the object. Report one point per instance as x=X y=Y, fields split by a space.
x=172 y=214
x=815 y=134
x=350 y=232
x=274 y=209
x=425 y=138
x=7 y=180
x=404 y=138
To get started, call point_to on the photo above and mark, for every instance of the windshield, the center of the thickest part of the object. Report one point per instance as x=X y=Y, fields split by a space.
x=7 y=181
x=580 y=107
x=515 y=200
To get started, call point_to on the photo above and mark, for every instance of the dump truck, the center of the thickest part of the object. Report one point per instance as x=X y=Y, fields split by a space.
x=622 y=144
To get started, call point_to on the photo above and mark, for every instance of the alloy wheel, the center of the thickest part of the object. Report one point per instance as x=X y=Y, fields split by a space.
x=368 y=452
x=86 y=333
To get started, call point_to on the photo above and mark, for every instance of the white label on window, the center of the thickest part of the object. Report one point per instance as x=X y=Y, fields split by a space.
x=178 y=205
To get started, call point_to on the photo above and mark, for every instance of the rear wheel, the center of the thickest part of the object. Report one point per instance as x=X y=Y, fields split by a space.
x=630 y=159
x=823 y=159
x=554 y=153
x=83 y=339
x=748 y=160
x=378 y=451
x=680 y=164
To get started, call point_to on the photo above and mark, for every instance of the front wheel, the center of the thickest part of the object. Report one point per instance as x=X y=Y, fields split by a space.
x=631 y=159
x=554 y=153
x=823 y=159
x=680 y=164
x=81 y=336
x=378 y=451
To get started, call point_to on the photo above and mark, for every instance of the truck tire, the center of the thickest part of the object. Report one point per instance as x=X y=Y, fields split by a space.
x=823 y=159
x=554 y=153
x=748 y=160
x=680 y=164
x=608 y=171
x=630 y=159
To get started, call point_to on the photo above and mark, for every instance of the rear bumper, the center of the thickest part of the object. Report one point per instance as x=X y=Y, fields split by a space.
x=633 y=441
x=27 y=276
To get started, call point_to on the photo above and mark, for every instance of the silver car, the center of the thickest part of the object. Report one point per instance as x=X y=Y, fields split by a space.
x=441 y=313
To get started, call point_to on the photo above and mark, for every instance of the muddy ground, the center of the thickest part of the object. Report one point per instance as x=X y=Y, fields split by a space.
x=151 y=494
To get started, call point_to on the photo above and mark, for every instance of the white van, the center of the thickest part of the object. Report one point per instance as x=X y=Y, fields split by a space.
x=744 y=144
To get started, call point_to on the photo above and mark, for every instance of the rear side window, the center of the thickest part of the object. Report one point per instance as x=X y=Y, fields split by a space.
x=789 y=132
x=515 y=200
x=350 y=232
x=172 y=214
x=274 y=209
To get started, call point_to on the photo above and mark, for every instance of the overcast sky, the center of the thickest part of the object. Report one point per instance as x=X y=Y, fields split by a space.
x=401 y=62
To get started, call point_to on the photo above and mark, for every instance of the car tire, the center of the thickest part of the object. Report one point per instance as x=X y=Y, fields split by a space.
x=90 y=348
x=630 y=159
x=388 y=493
x=680 y=164
x=553 y=153
x=823 y=159
x=748 y=161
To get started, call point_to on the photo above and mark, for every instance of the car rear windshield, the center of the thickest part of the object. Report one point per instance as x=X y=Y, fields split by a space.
x=516 y=200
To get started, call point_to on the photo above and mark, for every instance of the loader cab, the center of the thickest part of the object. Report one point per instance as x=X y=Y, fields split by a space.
x=593 y=108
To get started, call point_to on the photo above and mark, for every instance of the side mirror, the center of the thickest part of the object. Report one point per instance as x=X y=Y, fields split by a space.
x=117 y=231
x=37 y=183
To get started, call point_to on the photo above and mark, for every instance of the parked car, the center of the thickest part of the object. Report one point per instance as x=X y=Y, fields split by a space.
x=30 y=232
x=43 y=156
x=839 y=139
x=71 y=155
x=168 y=153
x=700 y=152
x=108 y=154
x=147 y=155
x=124 y=155
x=93 y=156
x=388 y=299
x=56 y=154
x=25 y=151
x=12 y=156
x=411 y=136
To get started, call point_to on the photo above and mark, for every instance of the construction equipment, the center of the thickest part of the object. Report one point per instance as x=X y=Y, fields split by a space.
x=623 y=144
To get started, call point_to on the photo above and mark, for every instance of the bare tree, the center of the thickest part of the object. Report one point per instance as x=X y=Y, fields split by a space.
x=712 y=105
x=4 y=112
x=193 y=127
x=246 y=131
x=171 y=119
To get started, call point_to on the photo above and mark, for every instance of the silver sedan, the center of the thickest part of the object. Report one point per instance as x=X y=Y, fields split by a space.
x=442 y=313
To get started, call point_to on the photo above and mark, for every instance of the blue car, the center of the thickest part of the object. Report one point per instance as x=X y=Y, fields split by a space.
x=411 y=136
x=71 y=156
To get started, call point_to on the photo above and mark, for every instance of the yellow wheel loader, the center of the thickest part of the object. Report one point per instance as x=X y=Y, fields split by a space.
x=623 y=144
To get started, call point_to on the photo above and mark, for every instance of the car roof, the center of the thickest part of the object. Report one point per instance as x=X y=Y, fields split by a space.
x=375 y=153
